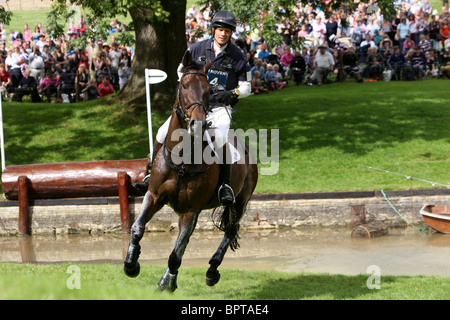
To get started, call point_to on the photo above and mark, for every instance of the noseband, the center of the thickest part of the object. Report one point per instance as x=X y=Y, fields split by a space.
x=181 y=113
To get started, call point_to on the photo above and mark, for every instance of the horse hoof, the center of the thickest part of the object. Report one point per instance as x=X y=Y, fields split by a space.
x=132 y=272
x=168 y=281
x=212 y=278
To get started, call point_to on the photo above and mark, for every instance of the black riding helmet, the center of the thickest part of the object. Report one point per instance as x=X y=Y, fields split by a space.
x=224 y=19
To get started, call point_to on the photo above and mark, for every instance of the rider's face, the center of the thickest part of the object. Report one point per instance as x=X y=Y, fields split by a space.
x=222 y=36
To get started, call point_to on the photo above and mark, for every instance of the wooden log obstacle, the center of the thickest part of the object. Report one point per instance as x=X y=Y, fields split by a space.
x=104 y=178
x=360 y=227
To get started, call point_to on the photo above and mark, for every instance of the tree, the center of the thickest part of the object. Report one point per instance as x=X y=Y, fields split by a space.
x=5 y=15
x=160 y=39
x=160 y=44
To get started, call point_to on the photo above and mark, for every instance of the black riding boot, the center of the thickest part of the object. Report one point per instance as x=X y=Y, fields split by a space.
x=143 y=185
x=226 y=195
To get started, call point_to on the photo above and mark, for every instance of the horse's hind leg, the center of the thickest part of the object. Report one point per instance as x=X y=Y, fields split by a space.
x=149 y=207
x=231 y=220
x=213 y=275
x=187 y=222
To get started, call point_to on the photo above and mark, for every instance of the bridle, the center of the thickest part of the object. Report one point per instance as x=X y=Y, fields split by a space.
x=181 y=113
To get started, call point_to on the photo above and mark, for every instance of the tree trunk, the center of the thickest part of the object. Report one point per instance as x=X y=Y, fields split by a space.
x=159 y=45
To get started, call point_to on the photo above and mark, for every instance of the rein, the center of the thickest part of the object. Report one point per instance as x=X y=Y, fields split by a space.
x=181 y=115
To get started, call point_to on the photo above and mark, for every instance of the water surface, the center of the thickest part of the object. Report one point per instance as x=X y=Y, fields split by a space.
x=319 y=250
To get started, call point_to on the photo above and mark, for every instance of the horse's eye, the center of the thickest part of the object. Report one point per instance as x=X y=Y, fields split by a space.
x=183 y=86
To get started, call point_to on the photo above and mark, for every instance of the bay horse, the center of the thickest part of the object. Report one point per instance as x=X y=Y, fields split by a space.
x=191 y=188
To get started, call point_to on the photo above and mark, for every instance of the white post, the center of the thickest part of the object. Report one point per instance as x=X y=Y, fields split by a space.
x=149 y=110
x=152 y=76
x=2 y=140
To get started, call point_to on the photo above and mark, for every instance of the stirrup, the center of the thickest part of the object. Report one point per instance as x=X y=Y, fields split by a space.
x=226 y=186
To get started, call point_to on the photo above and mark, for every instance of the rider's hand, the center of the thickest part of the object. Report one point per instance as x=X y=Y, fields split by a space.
x=223 y=96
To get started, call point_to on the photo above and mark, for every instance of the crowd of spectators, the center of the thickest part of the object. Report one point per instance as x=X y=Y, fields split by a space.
x=51 y=69
x=363 y=45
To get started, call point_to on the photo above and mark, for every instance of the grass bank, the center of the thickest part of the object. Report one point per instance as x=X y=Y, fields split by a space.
x=324 y=133
x=22 y=281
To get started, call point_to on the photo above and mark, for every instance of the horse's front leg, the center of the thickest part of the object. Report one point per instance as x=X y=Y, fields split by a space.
x=186 y=226
x=150 y=206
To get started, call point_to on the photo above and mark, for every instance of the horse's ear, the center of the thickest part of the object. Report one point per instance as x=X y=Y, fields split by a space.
x=187 y=59
x=206 y=66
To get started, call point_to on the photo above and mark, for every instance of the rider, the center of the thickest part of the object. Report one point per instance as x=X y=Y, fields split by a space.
x=230 y=80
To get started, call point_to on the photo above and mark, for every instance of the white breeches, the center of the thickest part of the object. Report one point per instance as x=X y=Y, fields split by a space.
x=220 y=119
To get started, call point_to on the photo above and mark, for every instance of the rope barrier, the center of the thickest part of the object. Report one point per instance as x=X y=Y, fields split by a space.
x=396 y=211
x=407 y=177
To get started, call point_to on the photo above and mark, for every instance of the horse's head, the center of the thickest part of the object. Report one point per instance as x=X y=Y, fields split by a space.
x=193 y=94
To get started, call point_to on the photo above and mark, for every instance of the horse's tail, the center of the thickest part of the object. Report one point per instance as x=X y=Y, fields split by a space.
x=224 y=218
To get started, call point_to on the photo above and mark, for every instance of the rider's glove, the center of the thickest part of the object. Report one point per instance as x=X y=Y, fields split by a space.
x=224 y=97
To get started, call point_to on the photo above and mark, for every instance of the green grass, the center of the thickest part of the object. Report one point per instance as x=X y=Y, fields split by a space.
x=325 y=132
x=30 y=17
x=23 y=281
x=33 y=17
x=69 y=132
